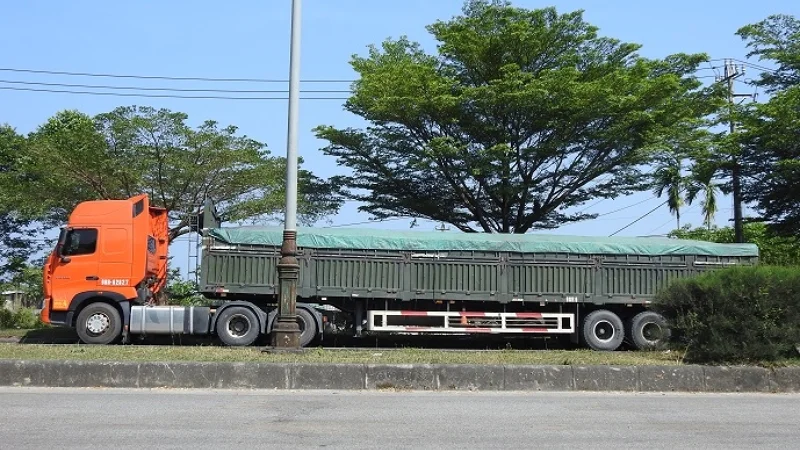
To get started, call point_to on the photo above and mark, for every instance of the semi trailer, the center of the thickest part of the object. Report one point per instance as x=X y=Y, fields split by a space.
x=111 y=262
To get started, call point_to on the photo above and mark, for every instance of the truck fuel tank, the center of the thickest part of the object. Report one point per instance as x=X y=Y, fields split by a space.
x=170 y=320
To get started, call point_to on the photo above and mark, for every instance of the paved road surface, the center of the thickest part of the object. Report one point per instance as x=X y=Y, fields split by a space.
x=33 y=418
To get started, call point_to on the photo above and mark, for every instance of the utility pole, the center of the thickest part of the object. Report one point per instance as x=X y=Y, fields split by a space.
x=730 y=74
x=286 y=334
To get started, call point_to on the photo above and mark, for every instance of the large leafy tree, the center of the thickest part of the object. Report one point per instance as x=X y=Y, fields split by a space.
x=20 y=236
x=772 y=128
x=133 y=150
x=521 y=116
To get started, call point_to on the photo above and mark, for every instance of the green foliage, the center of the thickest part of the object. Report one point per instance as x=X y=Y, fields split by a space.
x=181 y=292
x=774 y=250
x=522 y=115
x=775 y=39
x=133 y=150
x=771 y=129
x=737 y=315
x=19 y=234
x=22 y=318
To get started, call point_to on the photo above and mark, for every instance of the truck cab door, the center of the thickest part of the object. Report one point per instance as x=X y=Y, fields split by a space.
x=76 y=266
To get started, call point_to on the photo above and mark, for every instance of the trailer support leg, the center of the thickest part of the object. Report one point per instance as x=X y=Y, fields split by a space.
x=359 y=317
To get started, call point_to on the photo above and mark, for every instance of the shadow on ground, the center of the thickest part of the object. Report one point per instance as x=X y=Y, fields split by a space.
x=68 y=336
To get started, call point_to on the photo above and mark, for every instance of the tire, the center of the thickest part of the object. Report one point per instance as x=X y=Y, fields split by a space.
x=238 y=326
x=99 y=324
x=308 y=327
x=649 y=331
x=603 y=330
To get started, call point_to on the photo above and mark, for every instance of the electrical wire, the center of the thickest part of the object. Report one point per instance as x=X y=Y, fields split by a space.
x=640 y=218
x=365 y=222
x=124 y=94
x=161 y=77
x=626 y=207
x=137 y=88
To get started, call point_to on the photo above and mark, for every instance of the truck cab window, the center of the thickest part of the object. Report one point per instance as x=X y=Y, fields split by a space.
x=81 y=242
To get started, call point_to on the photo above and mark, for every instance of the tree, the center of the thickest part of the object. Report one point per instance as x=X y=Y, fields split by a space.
x=776 y=39
x=669 y=179
x=702 y=185
x=520 y=117
x=771 y=129
x=133 y=150
x=18 y=231
x=773 y=249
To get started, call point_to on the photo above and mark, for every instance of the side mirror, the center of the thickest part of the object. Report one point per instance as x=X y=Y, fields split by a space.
x=62 y=241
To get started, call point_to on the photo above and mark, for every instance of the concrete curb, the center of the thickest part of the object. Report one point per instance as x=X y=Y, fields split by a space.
x=112 y=374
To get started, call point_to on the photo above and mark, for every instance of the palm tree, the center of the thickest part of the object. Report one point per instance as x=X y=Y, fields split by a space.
x=702 y=181
x=667 y=178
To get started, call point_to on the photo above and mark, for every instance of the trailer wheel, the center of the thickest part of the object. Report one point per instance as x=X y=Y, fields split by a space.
x=649 y=331
x=99 y=324
x=603 y=330
x=237 y=326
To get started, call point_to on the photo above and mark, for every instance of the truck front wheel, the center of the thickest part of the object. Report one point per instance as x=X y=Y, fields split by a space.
x=237 y=326
x=99 y=324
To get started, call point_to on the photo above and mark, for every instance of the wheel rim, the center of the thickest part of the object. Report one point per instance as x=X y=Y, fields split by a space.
x=98 y=323
x=604 y=331
x=652 y=332
x=238 y=325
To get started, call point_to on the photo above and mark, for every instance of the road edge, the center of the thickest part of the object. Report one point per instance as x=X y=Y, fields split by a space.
x=422 y=377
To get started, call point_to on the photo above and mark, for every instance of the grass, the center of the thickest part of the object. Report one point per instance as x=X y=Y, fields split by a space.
x=322 y=355
x=14 y=332
x=45 y=349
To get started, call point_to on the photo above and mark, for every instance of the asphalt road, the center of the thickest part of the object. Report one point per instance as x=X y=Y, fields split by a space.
x=37 y=418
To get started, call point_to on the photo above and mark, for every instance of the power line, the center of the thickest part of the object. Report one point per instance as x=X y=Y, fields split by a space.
x=627 y=207
x=640 y=218
x=754 y=66
x=124 y=94
x=138 y=88
x=161 y=77
x=365 y=222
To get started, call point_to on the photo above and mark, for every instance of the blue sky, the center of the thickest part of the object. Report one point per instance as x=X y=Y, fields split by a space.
x=250 y=39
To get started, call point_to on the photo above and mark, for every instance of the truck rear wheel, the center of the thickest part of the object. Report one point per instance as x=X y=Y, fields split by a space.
x=99 y=324
x=237 y=326
x=649 y=331
x=603 y=330
x=308 y=327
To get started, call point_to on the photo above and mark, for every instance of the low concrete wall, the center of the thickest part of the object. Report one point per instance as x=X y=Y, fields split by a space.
x=53 y=373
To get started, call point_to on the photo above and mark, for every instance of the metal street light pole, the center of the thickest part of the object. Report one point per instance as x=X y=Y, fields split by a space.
x=286 y=332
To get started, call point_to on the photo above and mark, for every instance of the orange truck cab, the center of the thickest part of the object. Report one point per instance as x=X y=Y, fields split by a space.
x=110 y=263
x=112 y=255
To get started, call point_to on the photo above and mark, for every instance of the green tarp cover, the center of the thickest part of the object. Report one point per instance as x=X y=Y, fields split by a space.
x=350 y=238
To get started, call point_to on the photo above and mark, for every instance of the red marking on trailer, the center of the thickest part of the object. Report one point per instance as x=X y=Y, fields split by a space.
x=532 y=315
x=472 y=314
x=414 y=313
x=535 y=330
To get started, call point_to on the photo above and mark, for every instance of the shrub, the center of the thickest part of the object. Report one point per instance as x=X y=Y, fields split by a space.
x=736 y=315
x=22 y=318
x=185 y=293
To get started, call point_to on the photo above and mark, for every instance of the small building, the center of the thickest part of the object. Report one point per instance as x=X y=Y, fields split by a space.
x=14 y=299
